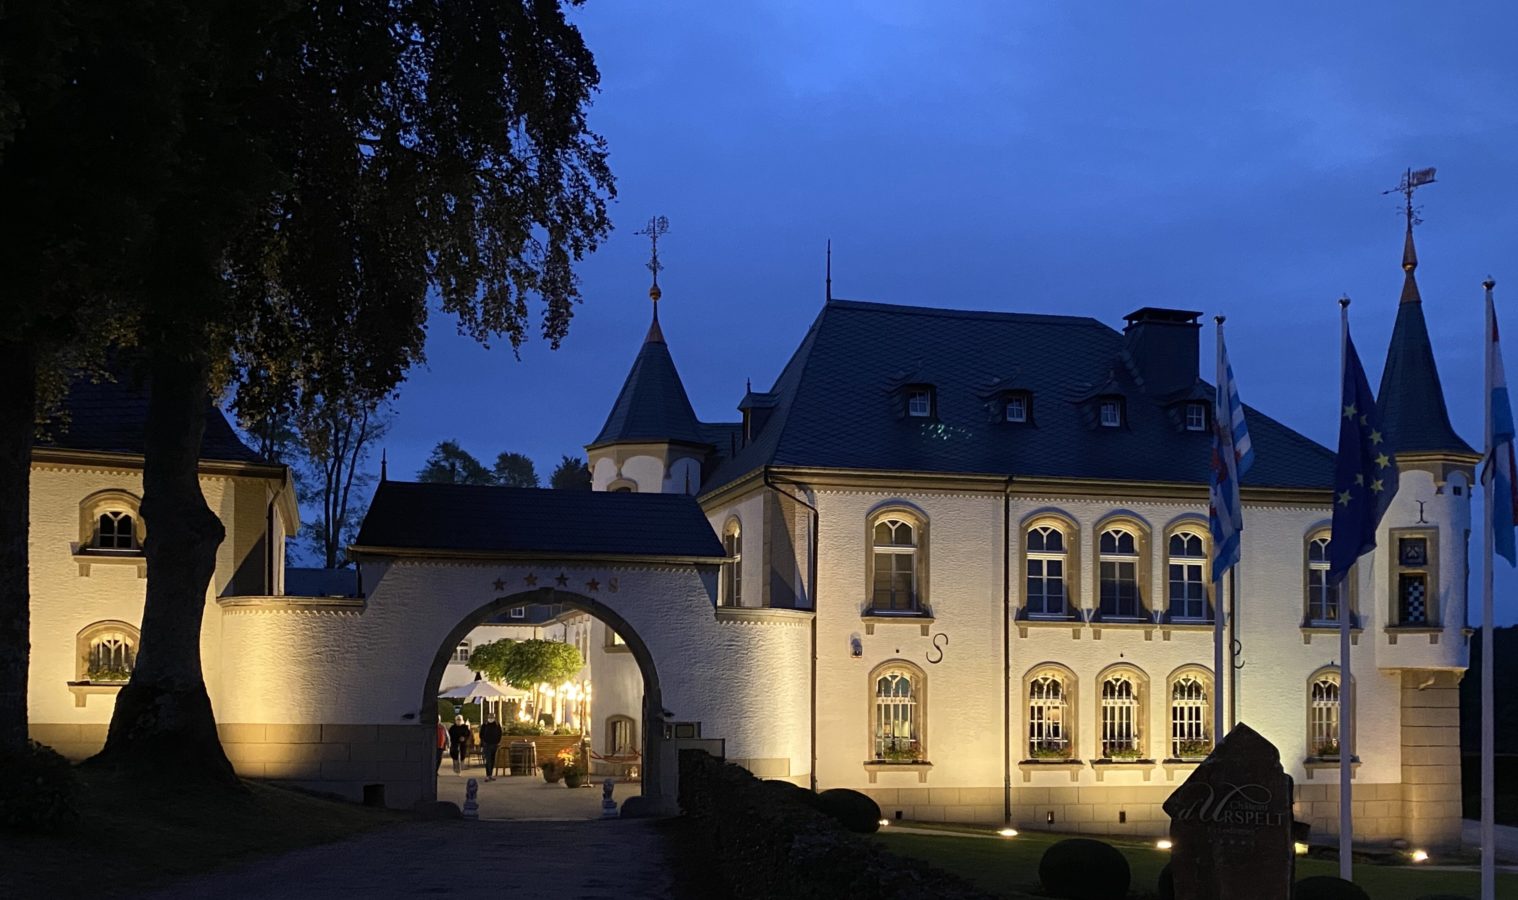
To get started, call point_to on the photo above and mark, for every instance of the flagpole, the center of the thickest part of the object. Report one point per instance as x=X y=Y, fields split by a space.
x=1488 y=743
x=1346 y=691
x=1217 y=581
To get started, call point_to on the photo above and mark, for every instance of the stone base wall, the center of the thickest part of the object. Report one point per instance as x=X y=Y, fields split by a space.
x=1377 y=811
x=337 y=759
x=75 y=742
x=1431 y=799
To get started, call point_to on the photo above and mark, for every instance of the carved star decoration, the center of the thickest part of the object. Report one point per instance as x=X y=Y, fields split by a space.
x=531 y=579
x=593 y=585
x=562 y=579
x=500 y=585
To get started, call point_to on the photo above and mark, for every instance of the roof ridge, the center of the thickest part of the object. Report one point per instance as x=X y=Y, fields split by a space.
x=946 y=312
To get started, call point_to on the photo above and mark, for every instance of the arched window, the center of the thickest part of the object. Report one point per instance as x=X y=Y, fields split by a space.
x=732 y=567
x=1121 y=596
x=1187 y=565
x=898 y=713
x=1046 y=568
x=1050 y=735
x=107 y=653
x=1323 y=715
x=621 y=735
x=108 y=523
x=1322 y=597
x=1121 y=717
x=1190 y=715
x=894 y=562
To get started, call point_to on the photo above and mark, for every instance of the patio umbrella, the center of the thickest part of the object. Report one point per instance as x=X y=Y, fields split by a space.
x=474 y=692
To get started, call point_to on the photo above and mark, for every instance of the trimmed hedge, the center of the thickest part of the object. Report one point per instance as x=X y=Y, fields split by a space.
x=38 y=791
x=768 y=842
x=853 y=810
x=1084 y=869
x=1327 y=887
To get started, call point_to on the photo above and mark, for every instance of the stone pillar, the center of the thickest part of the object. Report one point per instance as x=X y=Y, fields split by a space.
x=1431 y=806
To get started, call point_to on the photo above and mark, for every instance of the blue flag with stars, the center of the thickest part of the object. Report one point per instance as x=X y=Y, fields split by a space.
x=1365 y=472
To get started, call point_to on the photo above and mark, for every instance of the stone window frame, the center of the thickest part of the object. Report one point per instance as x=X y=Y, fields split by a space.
x=1142 y=539
x=614 y=643
x=730 y=592
x=612 y=722
x=1072 y=532
x=1348 y=588
x=104 y=501
x=1141 y=738
x=467 y=646
x=919 y=680
x=1337 y=675
x=1430 y=571
x=1198 y=526
x=85 y=639
x=1070 y=721
x=1209 y=684
x=914 y=516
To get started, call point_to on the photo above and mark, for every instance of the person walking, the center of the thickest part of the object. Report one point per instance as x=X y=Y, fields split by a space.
x=458 y=737
x=442 y=742
x=490 y=739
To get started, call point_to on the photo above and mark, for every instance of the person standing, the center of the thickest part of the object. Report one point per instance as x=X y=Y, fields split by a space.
x=458 y=738
x=442 y=742
x=490 y=739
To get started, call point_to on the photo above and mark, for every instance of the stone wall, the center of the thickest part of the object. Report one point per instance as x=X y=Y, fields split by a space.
x=1431 y=799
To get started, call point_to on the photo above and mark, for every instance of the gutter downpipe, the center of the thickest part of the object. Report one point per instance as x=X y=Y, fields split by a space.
x=1006 y=651
x=811 y=588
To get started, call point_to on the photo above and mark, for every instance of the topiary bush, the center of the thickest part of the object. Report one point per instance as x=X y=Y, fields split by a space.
x=784 y=791
x=38 y=790
x=853 y=810
x=1327 y=887
x=1084 y=869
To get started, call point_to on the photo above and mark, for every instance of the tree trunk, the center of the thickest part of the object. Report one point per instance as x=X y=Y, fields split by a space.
x=18 y=419
x=163 y=722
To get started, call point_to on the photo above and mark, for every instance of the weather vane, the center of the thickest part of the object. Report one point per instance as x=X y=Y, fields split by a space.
x=1411 y=181
x=657 y=227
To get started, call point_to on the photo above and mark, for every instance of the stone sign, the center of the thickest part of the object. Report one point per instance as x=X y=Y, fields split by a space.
x=1231 y=824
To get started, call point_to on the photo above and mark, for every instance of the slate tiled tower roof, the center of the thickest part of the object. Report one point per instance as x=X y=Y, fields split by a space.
x=652 y=405
x=111 y=416
x=1411 y=398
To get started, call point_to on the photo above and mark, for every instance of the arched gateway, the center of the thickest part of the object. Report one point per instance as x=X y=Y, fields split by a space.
x=343 y=691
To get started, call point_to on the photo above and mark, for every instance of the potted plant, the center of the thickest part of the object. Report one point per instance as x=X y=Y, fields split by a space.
x=569 y=765
x=900 y=755
x=1328 y=750
x=1193 y=749
x=552 y=772
x=1049 y=752
x=108 y=674
x=1123 y=754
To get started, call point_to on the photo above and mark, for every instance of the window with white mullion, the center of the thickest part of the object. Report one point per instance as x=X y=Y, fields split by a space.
x=1322 y=596
x=1047 y=737
x=895 y=566
x=1046 y=571
x=1118 y=568
x=1120 y=736
x=1323 y=716
x=1187 y=565
x=1189 y=715
x=732 y=567
x=114 y=531
x=895 y=717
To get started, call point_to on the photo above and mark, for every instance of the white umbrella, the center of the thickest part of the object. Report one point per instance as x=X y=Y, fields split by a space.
x=474 y=692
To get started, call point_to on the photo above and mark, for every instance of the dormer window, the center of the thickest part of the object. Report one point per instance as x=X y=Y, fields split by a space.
x=1017 y=407
x=1110 y=410
x=920 y=402
x=1196 y=416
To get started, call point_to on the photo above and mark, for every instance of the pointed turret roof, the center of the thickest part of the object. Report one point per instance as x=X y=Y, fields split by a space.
x=653 y=405
x=1411 y=398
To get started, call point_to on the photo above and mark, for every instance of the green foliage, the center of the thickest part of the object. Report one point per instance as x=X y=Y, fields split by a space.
x=39 y=791
x=853 y=810
x=451 y=464
x=111 y=674
x=527 y=664
x=901 y=754
x=1084 y=869
x=1327 y=887
x=571 y=474
x=514 y=470
x=1051 y=752
x=1124 y=753
x=1193 y=749
x=1327 y=750
x=515 y=728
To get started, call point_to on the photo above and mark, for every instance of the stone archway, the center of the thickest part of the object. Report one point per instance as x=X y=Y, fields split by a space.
x=653 y=703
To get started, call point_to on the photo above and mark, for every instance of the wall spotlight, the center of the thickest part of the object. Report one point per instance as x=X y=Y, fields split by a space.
x=884 y=822
x=1049 y=817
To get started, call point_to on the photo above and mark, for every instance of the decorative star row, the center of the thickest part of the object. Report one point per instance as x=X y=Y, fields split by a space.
x=561 y=580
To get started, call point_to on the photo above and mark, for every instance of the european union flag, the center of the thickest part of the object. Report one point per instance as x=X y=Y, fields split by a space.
x=1365 y=472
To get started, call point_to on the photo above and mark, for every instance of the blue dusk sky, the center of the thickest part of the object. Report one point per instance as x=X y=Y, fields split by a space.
x=1052 y=157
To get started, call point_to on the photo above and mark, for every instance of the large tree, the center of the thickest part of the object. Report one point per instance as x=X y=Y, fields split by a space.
x=338 y=159
x=451 y=464
x=515 y=470
x=335 y=442
x=571 y=474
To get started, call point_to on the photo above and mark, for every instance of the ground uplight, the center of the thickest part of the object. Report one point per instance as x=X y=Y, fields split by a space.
x=1300 y=847
x=884 y=822
x=1008 y=832
x=1420 y=856
x=1163 y=844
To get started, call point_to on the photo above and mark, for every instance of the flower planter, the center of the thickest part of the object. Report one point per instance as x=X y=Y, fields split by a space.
x=573 y=779
x=551 y=772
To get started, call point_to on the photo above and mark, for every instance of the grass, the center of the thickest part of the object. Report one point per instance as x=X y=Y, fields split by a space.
x=1009 y=867
x=133 y=836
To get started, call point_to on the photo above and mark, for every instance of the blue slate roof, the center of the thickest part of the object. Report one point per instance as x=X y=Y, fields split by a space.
x=1411 y=398
x=486 y=519
x=652 y=405
x=111 y=417
x=840 y=404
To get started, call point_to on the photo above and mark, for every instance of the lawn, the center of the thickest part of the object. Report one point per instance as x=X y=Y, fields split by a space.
x=1009 y=867
x=133 y=836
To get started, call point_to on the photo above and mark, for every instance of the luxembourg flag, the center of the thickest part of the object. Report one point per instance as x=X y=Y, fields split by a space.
x=1232 y=455
x=1499 y=469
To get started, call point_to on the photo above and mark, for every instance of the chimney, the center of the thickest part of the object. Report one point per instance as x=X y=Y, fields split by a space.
x=1164 y=346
